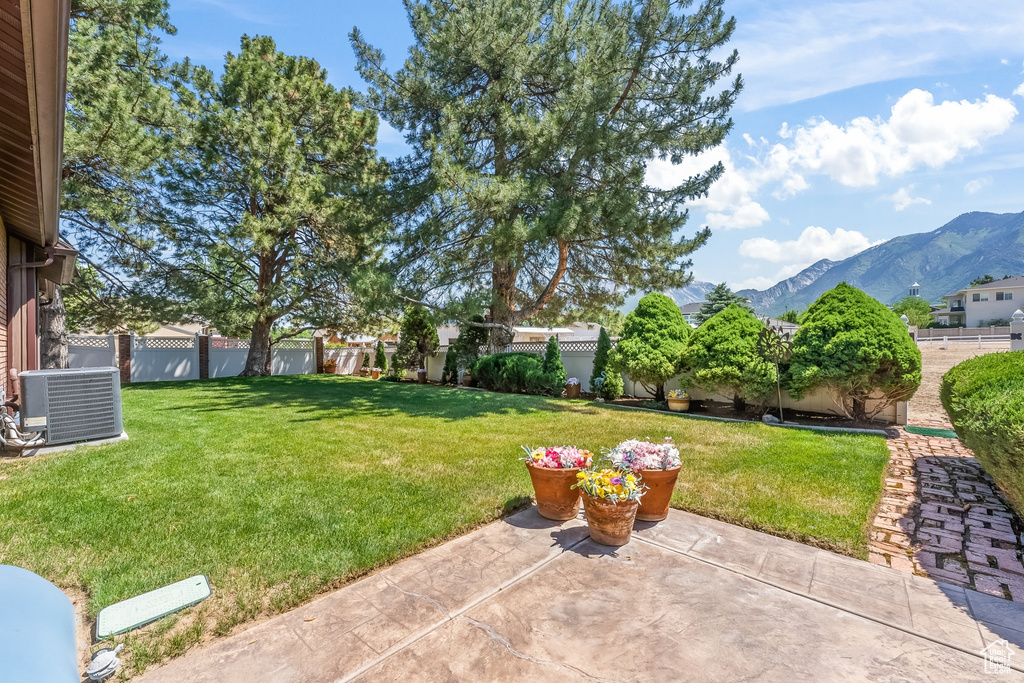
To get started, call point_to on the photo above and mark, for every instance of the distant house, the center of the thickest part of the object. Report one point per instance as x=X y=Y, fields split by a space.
x=578 y=331
x=690 y=311
x=979 y=305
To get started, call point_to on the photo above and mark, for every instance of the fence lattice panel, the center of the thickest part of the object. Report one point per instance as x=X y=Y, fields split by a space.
x=89 y=340
x=165 y=342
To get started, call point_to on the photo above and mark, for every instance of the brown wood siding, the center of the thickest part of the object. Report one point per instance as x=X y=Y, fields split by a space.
x=19 y=197
x=3 y=310
x=22 y=293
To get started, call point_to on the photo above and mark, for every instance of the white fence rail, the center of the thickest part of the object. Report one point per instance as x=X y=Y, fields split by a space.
x=162 y=359
x=981 y=341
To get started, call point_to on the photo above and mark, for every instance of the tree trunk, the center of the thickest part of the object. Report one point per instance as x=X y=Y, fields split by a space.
x=738 y=404
x=860 y=409
x=257 y=363
x=659 y=392
x=503 y=287
x=53 y=336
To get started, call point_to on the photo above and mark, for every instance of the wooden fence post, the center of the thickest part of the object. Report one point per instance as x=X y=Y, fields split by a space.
x=124 y=357
x=318 y=350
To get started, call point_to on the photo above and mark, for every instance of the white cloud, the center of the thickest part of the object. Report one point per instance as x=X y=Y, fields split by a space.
x=812 y=245
x=918 y=133
x=902 y=198
x=759 y=282
x=1004 y=61
x=729 y=203
x=977 y=185
x=1019 y=90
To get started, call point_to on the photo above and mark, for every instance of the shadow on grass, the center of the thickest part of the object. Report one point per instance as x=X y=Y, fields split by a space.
x=320 y=396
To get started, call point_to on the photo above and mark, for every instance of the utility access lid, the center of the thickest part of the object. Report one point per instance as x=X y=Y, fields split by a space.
x=148 y=607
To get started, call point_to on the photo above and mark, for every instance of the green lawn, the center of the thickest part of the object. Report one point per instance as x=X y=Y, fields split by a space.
x=278 y=488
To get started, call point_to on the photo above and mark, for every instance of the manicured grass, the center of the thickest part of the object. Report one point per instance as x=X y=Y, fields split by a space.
x=278 y=488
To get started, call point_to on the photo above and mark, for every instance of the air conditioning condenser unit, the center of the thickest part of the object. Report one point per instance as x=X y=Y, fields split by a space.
x=78 y=404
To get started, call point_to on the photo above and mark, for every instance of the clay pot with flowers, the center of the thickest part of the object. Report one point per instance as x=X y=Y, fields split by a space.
x=657 y=465
x=678 y=401
x=553 y=473
x=375 y=373
x=610 y=500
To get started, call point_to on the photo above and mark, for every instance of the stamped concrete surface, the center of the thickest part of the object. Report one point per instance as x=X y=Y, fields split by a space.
x=687 y=599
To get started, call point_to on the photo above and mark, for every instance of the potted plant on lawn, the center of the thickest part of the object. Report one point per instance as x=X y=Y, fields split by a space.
x=421 y=376
x=572 y=388
x=330 y=366
x=375 y=373
x=553 y=473
x=610 y=501
x=364 y=370
x=678 y=401
x=657 y=465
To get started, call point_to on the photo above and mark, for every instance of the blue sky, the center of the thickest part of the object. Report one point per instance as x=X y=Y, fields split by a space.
x=860 y=121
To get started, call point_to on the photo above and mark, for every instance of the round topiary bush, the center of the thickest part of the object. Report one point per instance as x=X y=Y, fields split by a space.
x=722 y=357
x=984 y=398
x=857 y=349
x=653 y=343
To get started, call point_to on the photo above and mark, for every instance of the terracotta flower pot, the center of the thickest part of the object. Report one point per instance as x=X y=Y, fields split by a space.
x=556 y=499
x=467 y=380
x=655 y=501
x=421 y=376
x=679 y=405
x=364 y=372
x=572 y=390
x=610 y=523
x=375 y=374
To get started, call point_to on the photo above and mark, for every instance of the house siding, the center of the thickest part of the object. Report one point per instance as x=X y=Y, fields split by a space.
x=978 y=313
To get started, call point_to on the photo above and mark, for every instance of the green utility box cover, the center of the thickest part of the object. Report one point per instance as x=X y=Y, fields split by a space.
x=148 y=607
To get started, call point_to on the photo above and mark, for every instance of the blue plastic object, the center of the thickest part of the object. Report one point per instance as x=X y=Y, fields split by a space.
x=37 y=629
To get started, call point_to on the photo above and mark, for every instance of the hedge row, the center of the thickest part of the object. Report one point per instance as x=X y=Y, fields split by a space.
x=984 y=398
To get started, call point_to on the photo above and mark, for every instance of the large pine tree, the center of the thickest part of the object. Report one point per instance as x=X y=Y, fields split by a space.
x=532 y=124
x=276 y=188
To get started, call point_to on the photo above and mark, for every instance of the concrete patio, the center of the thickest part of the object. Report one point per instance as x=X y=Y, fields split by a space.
x=688 y=599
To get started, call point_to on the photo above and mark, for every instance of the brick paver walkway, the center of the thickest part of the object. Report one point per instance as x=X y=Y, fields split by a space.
x=943 y=517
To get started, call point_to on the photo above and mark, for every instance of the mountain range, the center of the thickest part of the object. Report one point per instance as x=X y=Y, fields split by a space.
x=941 y=261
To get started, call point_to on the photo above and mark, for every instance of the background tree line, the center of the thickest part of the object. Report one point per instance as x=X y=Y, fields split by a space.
x=256 y=201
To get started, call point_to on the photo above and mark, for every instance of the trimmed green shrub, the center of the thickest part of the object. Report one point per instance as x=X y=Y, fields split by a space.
x=381 y=358
x=722 y=357
x=417 y=339
x=450 y=372
x=553 y=366
x=366 y=358
x=467 y=346
x=611 y=388
x=856 y=348
x=653 y=343
x=984 y=398
x=514 y=373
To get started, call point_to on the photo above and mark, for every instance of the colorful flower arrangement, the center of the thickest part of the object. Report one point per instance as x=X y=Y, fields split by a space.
x=638 y=455
x=677 y=393
x=610 y=484
x=558 y=457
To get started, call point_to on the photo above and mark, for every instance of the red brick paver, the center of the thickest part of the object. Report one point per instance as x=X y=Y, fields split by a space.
x=943 y=517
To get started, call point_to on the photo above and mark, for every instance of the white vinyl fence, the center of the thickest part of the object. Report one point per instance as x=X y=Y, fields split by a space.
x=287 y=357
x=92 y=351
x=161 y=359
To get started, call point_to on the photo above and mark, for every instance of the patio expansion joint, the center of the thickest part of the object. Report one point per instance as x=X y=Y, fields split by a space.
x=829 y=603
x=401 y=645
x=503 y=641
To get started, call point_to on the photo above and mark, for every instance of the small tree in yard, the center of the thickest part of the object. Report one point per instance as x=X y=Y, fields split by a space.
x=776 y=347
x=366 y=359
x=381 y=359
x=553 y=366
x=719 y=299
x=916 y=309
x=417 y=340
x=653 y=343
x=467 y=346
x=857 y=349
x=722 y=357
x=605 y=381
